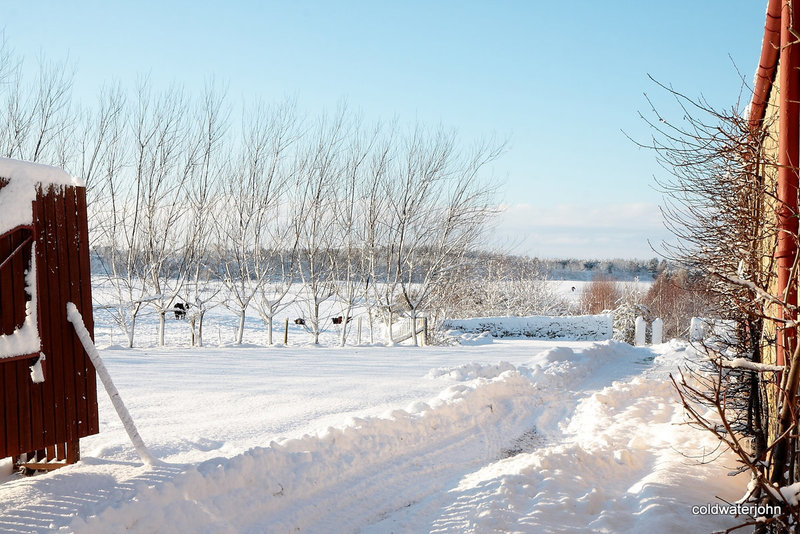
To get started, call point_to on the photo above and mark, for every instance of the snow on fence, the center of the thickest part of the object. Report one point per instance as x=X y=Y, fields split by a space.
x=567 y=327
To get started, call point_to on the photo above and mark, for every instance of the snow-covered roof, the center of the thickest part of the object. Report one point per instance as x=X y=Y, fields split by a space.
x=16 y=197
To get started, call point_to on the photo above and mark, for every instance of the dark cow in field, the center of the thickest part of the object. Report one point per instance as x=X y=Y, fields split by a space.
x=180 y=310
x=338 y=320
x=300 y=321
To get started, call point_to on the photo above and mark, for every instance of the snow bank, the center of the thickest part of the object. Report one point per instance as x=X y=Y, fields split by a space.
x=470 y=371
x=567 y=327
x=16 y=197
x=625 y=463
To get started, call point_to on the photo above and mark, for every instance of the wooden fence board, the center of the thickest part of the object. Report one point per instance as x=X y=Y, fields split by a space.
x=74 y=278
x=48 y=391
x=85 y=307
x=64 y=335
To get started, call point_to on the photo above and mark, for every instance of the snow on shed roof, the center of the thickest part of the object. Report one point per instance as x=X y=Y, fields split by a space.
x=17 y=196
x=14 y=169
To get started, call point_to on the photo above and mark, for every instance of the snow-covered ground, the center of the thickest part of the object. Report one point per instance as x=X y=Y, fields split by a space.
x=507 y=436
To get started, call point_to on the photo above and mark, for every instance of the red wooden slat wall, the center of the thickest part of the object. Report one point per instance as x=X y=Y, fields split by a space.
x=64 y=407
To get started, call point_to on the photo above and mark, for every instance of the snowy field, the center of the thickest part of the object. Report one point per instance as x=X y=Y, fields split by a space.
x=505 y=435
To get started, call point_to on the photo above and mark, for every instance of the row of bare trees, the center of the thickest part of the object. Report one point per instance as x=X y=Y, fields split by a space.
x=190 y=205
x=355 y=213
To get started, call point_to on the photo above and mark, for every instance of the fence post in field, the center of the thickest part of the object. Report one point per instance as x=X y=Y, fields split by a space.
x=286 y=332
x=640 y=332
x=425 y=330
x=391 y=320
x=358 y=330
x=658 y=332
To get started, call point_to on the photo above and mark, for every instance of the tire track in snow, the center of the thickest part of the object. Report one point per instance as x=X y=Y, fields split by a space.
x=619 y=467
x=344 y=479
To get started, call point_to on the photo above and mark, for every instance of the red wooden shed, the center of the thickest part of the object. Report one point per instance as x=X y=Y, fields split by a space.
x=49 y=393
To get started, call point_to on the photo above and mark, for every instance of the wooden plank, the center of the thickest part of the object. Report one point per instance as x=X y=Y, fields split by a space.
x=58 y=342
x=93 y=423
x=23 y=405
x=43 y=466
x=48 y=387
x=10 y=409
x=58 y=309
x=4 y=450
x=10 y=299
x=54 y=394
x=72 y=276
x=19 y=265
x=31 y=403
x=7 y=444
x=73 y=451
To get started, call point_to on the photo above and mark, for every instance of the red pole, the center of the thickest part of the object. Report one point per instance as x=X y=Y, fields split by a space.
x=788 y=160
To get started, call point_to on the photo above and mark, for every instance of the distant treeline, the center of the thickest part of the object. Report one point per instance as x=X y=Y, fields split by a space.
x=616 y=269
x=570 y=269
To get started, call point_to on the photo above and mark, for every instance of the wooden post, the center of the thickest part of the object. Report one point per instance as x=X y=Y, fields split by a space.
x=358 y=336
x=73 y=452
x=286 y=332
x=425 y=329
x=391 y=320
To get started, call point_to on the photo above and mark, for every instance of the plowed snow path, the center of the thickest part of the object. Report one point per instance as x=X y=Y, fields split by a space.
x=575 y=439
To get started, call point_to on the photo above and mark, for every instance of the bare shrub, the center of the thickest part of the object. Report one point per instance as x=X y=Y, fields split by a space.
x=601 y=294
x=676 y=297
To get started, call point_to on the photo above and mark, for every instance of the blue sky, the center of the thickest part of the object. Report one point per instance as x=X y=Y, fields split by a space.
x=560 y=80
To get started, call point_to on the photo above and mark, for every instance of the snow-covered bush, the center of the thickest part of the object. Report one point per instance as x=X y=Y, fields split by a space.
x=629 y=307
x=568 y=327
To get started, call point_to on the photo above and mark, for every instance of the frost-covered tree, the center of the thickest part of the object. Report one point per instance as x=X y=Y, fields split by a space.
x=319 y=174
x=253 y=194
x=200 y=291
x=437 y=209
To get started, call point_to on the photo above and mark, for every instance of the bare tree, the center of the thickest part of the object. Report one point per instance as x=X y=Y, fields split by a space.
x=164 y=158
x=253 y=196
x=113 y=229
x=319 y=171
x=678 y=296
x=36 y=113
x=351 y=221
x=203 y=208
x=373 y=206
x=438 y=209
